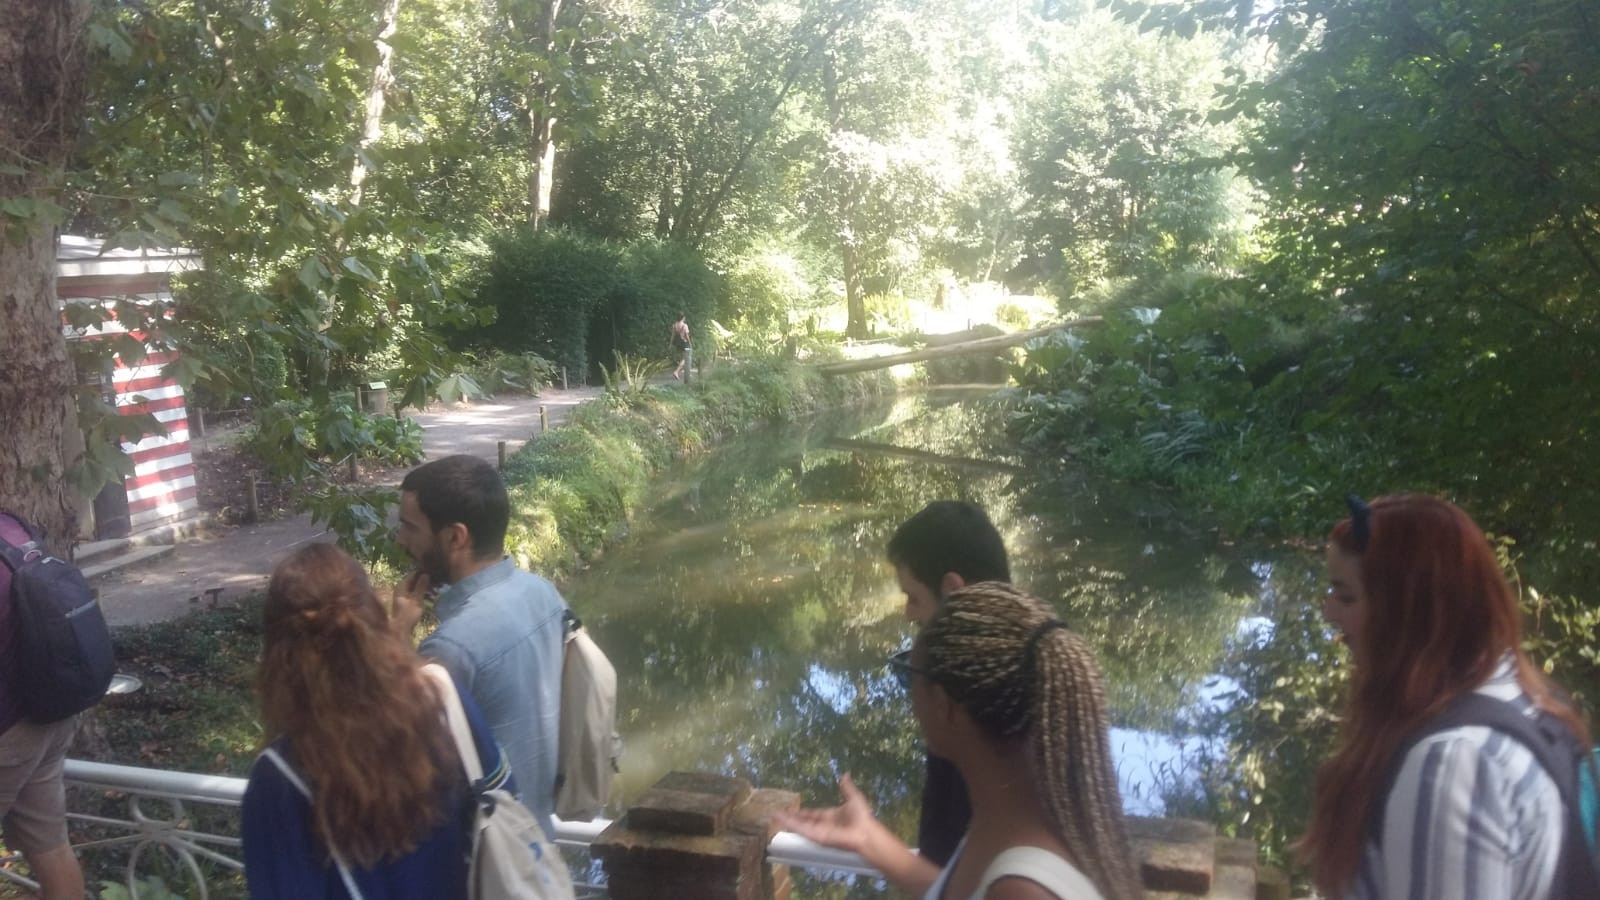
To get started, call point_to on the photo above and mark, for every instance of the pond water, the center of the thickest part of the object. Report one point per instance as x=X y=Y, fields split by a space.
x=750 y=611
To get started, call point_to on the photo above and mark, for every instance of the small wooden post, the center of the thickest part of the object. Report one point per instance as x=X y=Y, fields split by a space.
x=200 y=420
x=688 y=363
x=355 y=473
x=544 y=420
x=253 y=508
x=502 y=450
x=563 y=378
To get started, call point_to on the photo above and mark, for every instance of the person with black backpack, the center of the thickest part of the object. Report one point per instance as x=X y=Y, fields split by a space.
x=1459 y=763
x=33 y=737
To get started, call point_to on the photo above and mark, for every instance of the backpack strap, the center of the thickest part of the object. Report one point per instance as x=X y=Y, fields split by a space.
x=16 y=556
x=299 y=783
x=1554 y=748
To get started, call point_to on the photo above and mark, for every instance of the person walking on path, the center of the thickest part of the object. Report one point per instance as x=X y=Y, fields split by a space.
x=501 y=629
x=680 y=344
x=33 y=799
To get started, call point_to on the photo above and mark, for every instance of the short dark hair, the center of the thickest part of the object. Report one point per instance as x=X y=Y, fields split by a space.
x=467 y=490
x=950 y=536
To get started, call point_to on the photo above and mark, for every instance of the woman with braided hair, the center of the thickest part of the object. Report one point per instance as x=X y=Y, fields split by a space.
x=1005 y=691
x=361 y=792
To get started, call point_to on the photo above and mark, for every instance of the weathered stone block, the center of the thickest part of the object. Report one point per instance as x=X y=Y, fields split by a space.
x=696 y=836
x=1272 y=883
x=720 y=858
x=1234 y=882
x=1174 y=854
x=688 y=803
x=754 y=816
x=1236 y=852
x=680 y=812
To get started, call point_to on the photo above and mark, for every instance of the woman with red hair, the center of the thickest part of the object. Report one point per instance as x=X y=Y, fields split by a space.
x=1462 y=812
x=361 y=794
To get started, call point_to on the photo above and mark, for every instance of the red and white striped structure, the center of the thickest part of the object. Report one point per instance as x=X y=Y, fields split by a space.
x=162 y=488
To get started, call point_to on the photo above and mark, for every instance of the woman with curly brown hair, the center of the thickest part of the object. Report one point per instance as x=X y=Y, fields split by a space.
x=1405 y=809
x=1015 y=700
x=361 y=792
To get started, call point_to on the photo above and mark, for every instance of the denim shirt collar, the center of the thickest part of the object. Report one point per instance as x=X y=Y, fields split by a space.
x=454 y=597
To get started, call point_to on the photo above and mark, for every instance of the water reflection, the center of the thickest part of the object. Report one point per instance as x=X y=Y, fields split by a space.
x=750 y=612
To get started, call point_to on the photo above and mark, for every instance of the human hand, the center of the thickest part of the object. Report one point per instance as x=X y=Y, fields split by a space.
x=405 y=605
x=848 y=826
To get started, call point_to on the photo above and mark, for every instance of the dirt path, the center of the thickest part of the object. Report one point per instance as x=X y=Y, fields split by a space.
x=238 y=559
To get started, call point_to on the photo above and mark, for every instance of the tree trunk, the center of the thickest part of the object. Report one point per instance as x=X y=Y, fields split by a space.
x=42 y=74
x=541 y=169
x=855 y=302
x=541 y=120
x=382 y=78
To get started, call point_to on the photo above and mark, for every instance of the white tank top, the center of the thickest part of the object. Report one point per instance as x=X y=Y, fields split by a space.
x=1036 y=864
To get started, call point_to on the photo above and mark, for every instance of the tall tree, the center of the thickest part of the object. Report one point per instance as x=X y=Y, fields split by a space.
x=883 y=164
x=382 y=78
x=1120 y=159
x=42 y=81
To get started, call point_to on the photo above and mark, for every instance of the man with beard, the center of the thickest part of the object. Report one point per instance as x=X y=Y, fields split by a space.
x=500 y=629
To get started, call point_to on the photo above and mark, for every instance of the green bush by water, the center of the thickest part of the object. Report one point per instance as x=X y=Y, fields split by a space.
x=575 y=300
x=574 y=489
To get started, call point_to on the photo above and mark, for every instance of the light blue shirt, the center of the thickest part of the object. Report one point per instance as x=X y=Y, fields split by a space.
x=500 y=636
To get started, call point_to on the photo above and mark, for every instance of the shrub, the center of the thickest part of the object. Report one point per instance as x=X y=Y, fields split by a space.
x=573 y=489
x=575 y=300
x=544 y=287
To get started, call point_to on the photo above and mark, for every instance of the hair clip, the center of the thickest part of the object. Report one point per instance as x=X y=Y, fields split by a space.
x=1360 y=521
x=1031 y=646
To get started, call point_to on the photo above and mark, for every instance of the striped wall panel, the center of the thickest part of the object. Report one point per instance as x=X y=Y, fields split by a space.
x=162 y=487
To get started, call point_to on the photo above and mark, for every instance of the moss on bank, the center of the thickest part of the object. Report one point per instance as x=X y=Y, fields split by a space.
x=576 y=488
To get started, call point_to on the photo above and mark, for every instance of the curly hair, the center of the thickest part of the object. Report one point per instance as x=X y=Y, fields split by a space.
x=1019 y=672
x=362 y=720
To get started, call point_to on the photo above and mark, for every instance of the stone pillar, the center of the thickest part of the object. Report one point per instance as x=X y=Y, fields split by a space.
x=695 y=835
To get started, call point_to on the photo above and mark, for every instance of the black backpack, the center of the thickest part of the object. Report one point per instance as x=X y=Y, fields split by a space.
x=64 y=658
x=1569 y=764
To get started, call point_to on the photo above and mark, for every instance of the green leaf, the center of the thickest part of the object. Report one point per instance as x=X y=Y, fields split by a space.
x=359 y=269
x=110 y=40
x=311 y=274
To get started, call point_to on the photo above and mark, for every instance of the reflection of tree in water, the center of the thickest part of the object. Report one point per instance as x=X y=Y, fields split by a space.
x=749 y=627
x=1281 y=720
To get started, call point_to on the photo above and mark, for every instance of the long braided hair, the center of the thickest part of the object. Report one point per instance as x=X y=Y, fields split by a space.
x=1017 y=670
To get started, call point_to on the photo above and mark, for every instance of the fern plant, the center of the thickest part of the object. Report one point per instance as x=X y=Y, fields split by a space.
x=631 y=374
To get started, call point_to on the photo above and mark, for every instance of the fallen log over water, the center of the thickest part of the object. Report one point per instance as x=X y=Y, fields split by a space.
x=958 y=462
x=977 y=346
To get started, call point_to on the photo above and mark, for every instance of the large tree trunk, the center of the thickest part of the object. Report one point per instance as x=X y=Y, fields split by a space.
x=541 y=169
x=382 y=78
x=542 y=120
x=855 y=301
x=42 y=75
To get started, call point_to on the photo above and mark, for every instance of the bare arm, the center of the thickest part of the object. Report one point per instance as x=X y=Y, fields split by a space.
x=851 y=826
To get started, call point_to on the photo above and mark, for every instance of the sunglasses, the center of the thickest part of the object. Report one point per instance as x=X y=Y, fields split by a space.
x=901 y=668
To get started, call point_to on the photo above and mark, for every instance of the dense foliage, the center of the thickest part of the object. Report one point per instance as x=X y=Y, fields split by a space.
x=1341 y=245
x=1421 y=314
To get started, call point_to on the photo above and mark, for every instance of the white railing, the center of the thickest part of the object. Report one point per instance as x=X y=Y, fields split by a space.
x=149 y=827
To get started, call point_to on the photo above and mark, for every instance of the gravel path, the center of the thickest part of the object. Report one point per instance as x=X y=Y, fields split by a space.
x=238 y=559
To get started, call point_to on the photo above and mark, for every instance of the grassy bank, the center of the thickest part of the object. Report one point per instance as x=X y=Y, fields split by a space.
x=575 y=489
